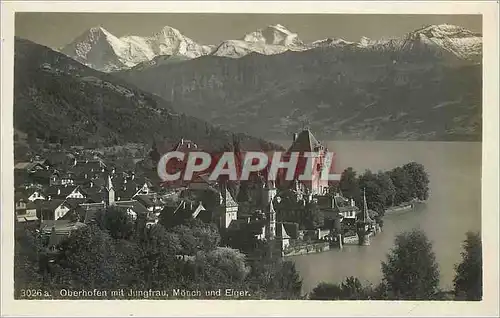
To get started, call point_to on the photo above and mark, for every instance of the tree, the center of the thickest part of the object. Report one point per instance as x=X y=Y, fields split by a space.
x=27 y=270
x=158 y=266
x=274 y=278
x=326 y=291
x=419 y=185
x=349 y=289
x=411 y=271
x=195 y=235
x=402 y=183
x=468 y=279
x=220 y=268
x=117 y=222
x=313 y=217
x=388 y=191
x=374 y=193
x=93 y=261
x=352 y=289
x=349 y=184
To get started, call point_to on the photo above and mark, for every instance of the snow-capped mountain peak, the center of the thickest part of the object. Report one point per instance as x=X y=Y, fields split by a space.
x=364 y=41
x=100 y=49
x=330 y=42
x=445 y=30
x=275 y=35
x=97 y=48
x=168 y=31
x=457 y=40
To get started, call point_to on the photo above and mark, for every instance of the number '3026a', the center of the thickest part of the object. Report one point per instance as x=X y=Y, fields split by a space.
x=34 y=293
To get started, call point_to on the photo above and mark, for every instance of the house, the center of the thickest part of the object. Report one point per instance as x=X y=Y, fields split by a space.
x=25 y=209
x=128 y=188
x=64 y=192
x=36 y=195
x=153 y=202
x=186 y=209
x=52 y=209
x=133 y=208
x=29 y=194
x=36 y=170
x=33 y=166
x=87 y=211
x=335 y=206
x=62 y=179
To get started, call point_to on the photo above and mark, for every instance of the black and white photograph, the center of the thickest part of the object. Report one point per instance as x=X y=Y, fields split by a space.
x=237 y=156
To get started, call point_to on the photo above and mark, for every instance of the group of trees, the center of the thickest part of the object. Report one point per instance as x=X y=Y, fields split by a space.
x=386 y=188
x=411 y=273
x=112 y=254
x=306 y=214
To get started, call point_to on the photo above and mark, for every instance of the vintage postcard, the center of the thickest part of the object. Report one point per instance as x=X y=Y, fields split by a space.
x=249 y=158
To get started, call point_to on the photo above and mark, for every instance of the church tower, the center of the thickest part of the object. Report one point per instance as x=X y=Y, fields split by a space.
x=110 y=192
x=271 y=222
x=229 y=208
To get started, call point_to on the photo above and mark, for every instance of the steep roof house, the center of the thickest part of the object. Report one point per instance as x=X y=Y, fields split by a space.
x=64 y=192
x=184 y=210
x=24 y=208
x=33 y=165
x=335 y=206
x=30 y=194
x=133 y=208
x=52 y=209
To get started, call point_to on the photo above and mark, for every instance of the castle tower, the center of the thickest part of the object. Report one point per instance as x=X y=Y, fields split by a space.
x=268 y=192
x=363 y=224
x=110 y=192
x=305 y=142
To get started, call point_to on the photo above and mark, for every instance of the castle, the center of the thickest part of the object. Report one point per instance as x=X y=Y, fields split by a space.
x=304 y=143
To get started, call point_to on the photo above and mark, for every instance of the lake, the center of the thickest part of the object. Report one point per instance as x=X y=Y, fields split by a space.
x=453 y=208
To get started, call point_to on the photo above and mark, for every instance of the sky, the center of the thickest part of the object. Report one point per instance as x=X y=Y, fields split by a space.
x=58 y=29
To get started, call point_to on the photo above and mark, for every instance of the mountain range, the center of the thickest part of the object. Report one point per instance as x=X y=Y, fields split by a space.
x=103 y=51
x=59 y=100
x=269 y=84
x=424 y=86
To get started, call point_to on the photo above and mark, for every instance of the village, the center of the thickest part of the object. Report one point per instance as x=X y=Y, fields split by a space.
x=298 y=217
